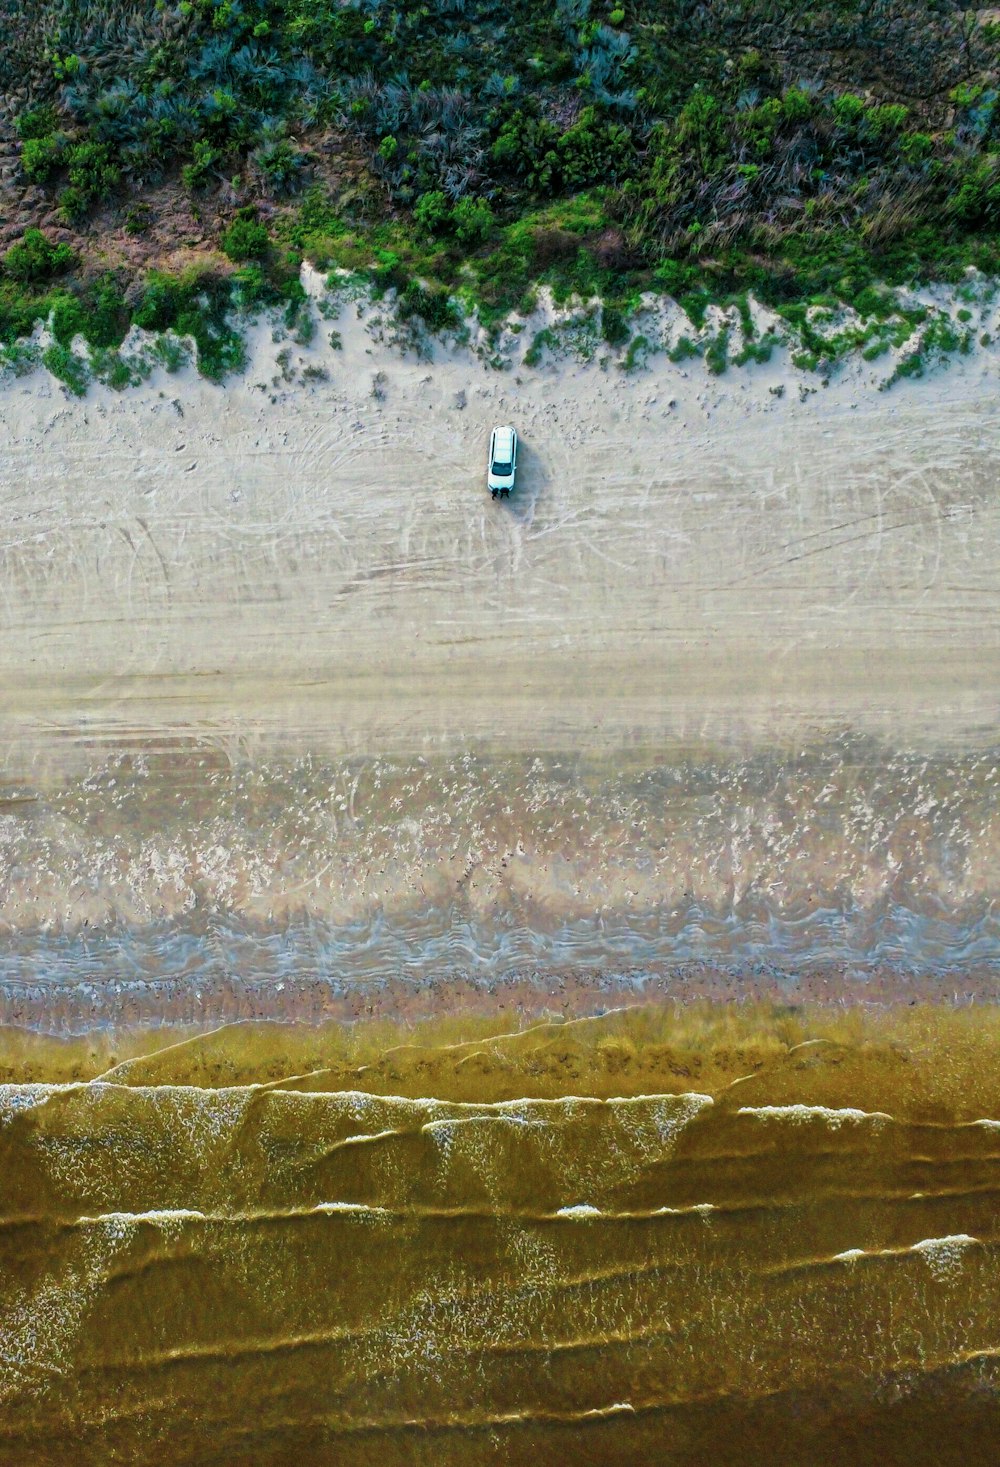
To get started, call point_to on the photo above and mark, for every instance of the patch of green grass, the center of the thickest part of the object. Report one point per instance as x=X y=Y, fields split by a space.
x=638 y=350
x=614 y=327
x=119 y=372
x=717 y=352
x=757 y=351
x=21 y=357
x=684 y=350
x=67 y=368
x=542 y=341
x=170 y=352
x=910 y=366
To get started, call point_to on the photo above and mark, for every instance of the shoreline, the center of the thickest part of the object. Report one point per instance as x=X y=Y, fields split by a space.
x=82 y=1010
x=924 y=1061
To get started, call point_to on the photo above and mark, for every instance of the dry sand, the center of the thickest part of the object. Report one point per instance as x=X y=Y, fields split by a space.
x=687 y=562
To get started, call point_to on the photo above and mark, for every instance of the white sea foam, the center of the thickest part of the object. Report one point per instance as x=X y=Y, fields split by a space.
x=156 y=1216
x=364 y=1208
x=580 y=1209
x=800 y=1113
x=945 y=1257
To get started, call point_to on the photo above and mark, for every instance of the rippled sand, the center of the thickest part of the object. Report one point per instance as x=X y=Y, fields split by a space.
x=786 y=1221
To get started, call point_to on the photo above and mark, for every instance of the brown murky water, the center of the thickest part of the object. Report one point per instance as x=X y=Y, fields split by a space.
x=658 y=1236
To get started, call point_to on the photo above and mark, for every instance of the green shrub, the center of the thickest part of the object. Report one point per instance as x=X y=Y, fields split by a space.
x=67 y=319
x=72 y=205
x=684 y=350
x=849 y=109
x=246 y=238
x=98 y=313
x=118 y=372
x=159 y=304
x=221 y=350
x=21 y=357
x=695 y=306
x=758 y=125
x=912 y=365
x=757 y=351
x=472 y=220
x=138 y=218
x=916 y=147
x=431 y=211
x=41 y=158
x=701 y=130
x=92 y=171
x=434 y=307
x=280 y=163
x=70 y=369
x=527 y=147
x=36 y=258
x=592 y=151
x=204 y=158
x=886 y=118
x=170 y=353
x=40 y=122
x=543 y=340
x=614 y=327
x=796 y=105
x=106 y=316
x=638 y=350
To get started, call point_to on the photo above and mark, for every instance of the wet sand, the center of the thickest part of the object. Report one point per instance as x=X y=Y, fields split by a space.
x=169 y=886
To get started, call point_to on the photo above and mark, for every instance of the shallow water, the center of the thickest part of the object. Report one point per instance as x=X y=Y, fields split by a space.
x=781 y=1238
x=668 y=1234
x=160 y=869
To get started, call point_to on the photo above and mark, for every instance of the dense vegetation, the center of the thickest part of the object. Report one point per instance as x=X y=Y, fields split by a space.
x=169 y=159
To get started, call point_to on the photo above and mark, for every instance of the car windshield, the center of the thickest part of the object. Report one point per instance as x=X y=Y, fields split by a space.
x=502 y=468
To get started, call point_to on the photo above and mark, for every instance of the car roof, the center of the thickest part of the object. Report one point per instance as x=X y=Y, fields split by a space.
x=503 y=437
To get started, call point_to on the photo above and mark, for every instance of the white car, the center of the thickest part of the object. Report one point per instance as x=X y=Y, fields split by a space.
x=503 y=462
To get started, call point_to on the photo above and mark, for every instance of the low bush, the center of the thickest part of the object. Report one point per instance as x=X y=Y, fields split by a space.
x=246 y=238
x=42 y=158
x=68 y=368
x=36 y=257
x=614 y=327
x=434 y=307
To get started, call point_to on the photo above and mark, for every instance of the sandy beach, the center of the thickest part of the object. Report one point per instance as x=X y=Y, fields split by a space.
x=688 y=561
x=718 y=686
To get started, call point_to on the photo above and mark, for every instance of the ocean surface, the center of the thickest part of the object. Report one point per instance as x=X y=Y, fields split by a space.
x=649 y=1237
